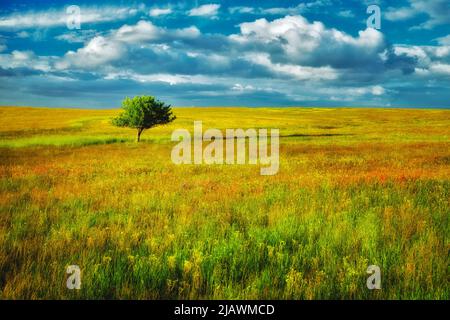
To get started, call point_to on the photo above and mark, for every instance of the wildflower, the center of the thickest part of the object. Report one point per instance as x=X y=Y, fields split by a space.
x=171 y=262
x=187 y=267
x=106 y=259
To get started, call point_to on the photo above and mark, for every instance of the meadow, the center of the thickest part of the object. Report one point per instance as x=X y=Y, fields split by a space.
x=356 y=187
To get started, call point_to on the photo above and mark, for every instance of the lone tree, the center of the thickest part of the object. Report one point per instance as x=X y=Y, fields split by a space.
x=143 y=112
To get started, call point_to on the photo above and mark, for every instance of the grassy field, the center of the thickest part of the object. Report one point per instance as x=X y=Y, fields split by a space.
x=356 y=187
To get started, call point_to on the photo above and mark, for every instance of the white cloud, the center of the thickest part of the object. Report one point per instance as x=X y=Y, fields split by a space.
x=54 y=18
x=104 y=49
x=298 y=9
x=296 y=71
x=442 y=52
x=403 y=13
x=22 y=55
x=424 y=54
x=241 y=88
x=156 y=12
x=440 y=68
x=445 y=41
x=378 y=90
x=241 y=9
x=23 y=35
x=284 y=11
x=98 y=51
x=146 y=31
x=349 y=94
x=430 y=60
x=438 y=12
x=25 y=59
x=298 y=41
x=3 y=47
x=79 y=36
x=346 y=14
x=205 y=10
x=172 y=79
x=142 y=31
x=411 y=51
x=354 y=93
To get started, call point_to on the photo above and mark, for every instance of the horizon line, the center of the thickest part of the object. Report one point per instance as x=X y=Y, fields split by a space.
x=237 y=107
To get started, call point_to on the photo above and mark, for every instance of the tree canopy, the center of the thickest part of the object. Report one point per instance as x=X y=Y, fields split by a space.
x=143 y=112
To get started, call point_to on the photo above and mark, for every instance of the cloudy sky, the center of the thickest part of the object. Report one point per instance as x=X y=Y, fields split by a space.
x=225 y=53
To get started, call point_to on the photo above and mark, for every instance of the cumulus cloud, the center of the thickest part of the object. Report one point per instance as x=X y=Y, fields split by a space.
x=26 y=59
x=295 y=40
x=105 y=49
x=98 y=51
x=434 y=59
x=205 y=10
x=141 y=32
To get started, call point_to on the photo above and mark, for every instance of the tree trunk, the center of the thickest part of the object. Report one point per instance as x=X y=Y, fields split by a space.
x=139 y=134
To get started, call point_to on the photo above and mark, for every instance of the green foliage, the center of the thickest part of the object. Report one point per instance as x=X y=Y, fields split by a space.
x=143 y=112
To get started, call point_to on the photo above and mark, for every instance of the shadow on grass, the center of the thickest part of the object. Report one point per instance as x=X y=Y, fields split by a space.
x=59 y=141
x=316 y=135
x=294 y=135
x=79 y=141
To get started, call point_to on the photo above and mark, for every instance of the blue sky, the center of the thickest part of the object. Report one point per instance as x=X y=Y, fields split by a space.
x=226 y=53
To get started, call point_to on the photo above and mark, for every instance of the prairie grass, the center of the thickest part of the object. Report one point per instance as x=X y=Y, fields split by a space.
x=355 y=187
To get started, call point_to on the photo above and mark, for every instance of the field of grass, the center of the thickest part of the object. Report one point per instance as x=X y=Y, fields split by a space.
x=356 y=187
